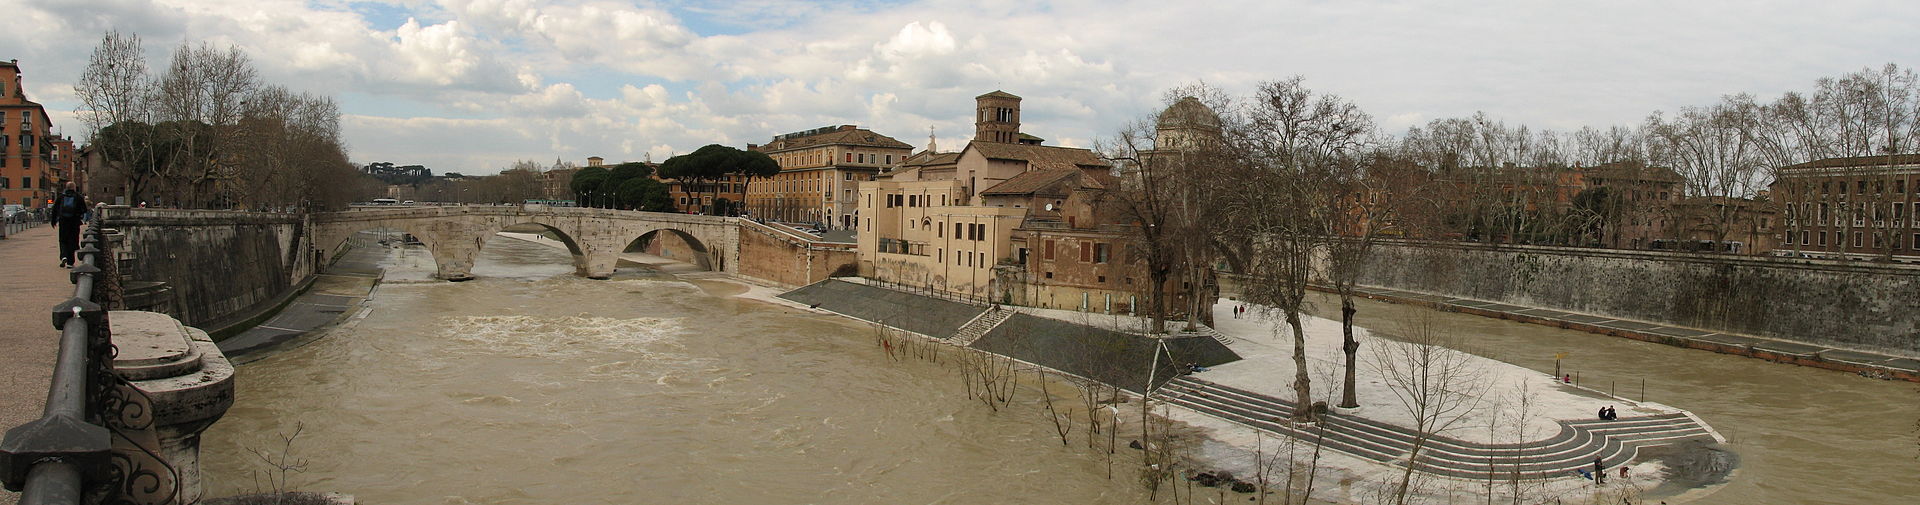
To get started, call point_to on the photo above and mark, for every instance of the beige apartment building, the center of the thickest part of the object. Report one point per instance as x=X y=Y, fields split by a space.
x=820 y=174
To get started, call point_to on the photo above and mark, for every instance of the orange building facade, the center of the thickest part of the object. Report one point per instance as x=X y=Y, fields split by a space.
x=33 y=163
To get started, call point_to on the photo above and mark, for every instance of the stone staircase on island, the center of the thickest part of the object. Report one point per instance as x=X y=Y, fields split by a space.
x=980 y=325
x=1574 y=447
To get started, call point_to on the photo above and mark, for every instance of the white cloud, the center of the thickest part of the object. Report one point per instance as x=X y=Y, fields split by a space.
x=572 y=78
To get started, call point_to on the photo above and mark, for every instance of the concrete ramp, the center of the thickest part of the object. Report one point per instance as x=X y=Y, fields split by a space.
x=919 y=314
x=1112 y=357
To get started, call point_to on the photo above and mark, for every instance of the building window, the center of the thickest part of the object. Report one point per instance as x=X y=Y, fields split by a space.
x=1856 y=240
x=1049 y=275
x=27 y=182
x=1823 y=239
x=1803 y=238
x=1049 y=253
x=848 y=175
x=957 y=232
x=1100 y=253
x=1101 y=279
x=1086 y=252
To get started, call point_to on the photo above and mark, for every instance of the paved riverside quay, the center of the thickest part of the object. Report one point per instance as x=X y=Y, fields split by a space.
x=1570 y=441
x=129 y=394
x=1576 y=446
x=1846 y=360
x=28 y=262
x=335 y=294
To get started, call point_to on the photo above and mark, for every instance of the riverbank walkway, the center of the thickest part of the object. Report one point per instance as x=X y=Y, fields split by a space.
x=1805 y=354
x=336 y=293
x=1577 y=444
x=29 y=263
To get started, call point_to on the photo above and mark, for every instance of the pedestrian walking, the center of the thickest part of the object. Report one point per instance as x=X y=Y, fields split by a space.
x=69 y=210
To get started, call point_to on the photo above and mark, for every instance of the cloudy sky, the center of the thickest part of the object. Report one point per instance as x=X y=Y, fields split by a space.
x=472 y=85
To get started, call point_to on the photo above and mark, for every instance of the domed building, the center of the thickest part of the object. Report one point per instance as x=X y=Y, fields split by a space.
x=1184 y=124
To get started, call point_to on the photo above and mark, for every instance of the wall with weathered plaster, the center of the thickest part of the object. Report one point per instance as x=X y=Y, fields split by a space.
x=775 y=255
x=221 y=266
x=1841 y=304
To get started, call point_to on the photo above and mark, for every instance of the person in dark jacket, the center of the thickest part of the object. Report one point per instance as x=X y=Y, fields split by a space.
x=69 y=210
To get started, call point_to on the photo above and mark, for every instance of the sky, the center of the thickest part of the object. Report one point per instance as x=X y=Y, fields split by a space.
x=473 y=85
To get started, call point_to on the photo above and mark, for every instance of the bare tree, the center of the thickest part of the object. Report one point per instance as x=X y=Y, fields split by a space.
x=1292 y=143
x=113 y=91
x=1435 y=385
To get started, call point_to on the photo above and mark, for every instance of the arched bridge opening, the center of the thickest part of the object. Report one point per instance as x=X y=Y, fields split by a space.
x=677 y=246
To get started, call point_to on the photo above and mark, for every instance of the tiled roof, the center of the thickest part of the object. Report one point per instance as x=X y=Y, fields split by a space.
x=922 y=159
x=852 y=136
x=1032 y=182
x=1039 y=157
x=999 y=94
x=1858 y=161
x=1634 y=171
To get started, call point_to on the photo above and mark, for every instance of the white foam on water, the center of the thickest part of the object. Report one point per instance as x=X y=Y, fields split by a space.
x=558 y=337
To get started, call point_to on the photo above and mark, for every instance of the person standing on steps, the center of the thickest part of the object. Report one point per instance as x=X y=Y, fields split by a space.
x=69 y=210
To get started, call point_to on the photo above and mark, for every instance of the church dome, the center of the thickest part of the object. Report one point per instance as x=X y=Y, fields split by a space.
x=1188 y=112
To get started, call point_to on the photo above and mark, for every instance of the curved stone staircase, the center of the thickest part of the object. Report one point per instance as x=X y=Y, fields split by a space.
x=1575 y=447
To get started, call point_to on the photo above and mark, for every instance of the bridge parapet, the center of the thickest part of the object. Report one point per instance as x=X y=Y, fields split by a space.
x=596 y=237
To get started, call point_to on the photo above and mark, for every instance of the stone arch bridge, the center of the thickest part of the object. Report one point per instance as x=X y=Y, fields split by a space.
x=596 y=237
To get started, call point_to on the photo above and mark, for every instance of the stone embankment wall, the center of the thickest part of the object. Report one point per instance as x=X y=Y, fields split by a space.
x=1864 y=306
x=223 y=266
x=789 y=259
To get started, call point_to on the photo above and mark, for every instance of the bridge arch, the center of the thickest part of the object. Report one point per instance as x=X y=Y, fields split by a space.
x=676 y=244
x=558 y=234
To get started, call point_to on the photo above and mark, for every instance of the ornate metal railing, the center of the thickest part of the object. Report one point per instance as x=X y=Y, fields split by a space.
x=94 y=442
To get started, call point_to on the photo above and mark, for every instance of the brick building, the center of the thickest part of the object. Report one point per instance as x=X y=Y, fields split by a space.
x=820 y=173
x=1005 y=219
x=33 y=163
x=1853 y=207
x=1643 y=199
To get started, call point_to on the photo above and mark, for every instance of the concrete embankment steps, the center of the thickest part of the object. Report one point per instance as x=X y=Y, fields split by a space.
x=980 y=325
x=1575 y=446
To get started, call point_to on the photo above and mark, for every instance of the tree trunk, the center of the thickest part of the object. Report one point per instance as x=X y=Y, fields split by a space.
x=1159 y=311
x=1302 y=384
x=1350 y=346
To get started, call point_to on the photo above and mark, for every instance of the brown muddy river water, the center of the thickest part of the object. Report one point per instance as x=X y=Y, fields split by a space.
x=532 y=386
